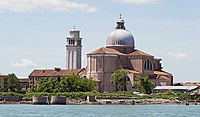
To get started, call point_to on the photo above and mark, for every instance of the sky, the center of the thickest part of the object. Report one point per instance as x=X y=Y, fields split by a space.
x=33 y=32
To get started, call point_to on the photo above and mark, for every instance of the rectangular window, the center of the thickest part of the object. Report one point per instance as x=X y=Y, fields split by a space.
x=99 y=63
x=93 y=64
x=79 y=42
x=72 y=42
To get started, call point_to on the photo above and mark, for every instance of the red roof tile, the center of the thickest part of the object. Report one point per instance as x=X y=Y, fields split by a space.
x=138 y=52
x=24 y=80
x=188 y=83
x=106 y=51
x=163 y=77
x=53 y=73
x=162 y=73
x=2 y=75
x=134 y=71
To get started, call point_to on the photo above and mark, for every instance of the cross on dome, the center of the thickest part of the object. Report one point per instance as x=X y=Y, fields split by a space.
x=120 y=16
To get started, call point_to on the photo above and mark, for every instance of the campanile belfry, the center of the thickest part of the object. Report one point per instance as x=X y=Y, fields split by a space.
x=73 y=49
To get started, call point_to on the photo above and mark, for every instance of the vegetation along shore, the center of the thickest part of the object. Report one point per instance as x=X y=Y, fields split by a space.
x=79 y=90
x=100 y=98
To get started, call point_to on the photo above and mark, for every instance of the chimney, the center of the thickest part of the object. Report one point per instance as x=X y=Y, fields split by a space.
x=57 y=69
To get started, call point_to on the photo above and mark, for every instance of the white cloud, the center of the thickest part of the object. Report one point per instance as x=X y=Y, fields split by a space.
x=24 y=63
x=53 y=5
x=174 y=55
x=138 y=1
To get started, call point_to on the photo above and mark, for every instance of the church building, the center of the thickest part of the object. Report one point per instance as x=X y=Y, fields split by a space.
x=120 y=53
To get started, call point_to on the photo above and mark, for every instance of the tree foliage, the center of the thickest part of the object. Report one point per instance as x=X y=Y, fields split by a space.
x=183 y=95
x=143 y=84
x=119 y=77
x=70 y=83
x=12 y=83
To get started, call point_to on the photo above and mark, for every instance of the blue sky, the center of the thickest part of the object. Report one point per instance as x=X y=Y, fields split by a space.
x=33 y=32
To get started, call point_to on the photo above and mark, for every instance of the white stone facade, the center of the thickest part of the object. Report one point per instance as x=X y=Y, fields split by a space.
x=73 y=50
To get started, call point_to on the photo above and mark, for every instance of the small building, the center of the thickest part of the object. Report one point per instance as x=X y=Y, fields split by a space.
x=191 y=89
x=195 y=94
x=53 y=73
x=24 y=84
x=3 y=81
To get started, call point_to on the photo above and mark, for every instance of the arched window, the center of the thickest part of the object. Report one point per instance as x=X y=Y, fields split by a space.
x=148 y=65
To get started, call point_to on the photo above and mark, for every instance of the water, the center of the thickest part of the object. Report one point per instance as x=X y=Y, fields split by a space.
x=99 y=110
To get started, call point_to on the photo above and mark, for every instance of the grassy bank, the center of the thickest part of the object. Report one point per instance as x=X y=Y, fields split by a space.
x=82 y=95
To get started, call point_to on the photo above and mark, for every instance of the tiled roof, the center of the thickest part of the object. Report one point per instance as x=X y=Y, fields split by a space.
x=138 y=52
x=134 y=71
x=53 y=73
x=24 y=80
x=162 y=73
x=106 y=51
x=163 y=77
x=187 y=84
x=157 y=59
x=2 y=75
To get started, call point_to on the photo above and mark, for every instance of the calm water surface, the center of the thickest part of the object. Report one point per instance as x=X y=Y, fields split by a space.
x=99 y=111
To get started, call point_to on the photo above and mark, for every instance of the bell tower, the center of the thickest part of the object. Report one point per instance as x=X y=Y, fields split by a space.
x=73 y=49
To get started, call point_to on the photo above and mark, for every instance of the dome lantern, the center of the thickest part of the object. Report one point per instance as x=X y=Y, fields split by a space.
x=120 y=23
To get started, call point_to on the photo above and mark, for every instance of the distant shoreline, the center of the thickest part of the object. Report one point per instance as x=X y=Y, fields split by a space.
x=113 y=102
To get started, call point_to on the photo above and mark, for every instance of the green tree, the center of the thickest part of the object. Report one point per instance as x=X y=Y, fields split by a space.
x=70 y=83
x=73 y=83
x=143 y=84
x=45 y=85
x=87 y=84
x=12 y=83
x=183 y=95
x=119 y=78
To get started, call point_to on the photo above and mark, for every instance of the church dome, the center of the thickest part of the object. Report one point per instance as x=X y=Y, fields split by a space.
x=120 y=36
